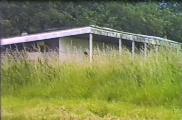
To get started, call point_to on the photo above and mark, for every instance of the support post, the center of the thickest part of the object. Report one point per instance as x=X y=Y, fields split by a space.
x=91 y=46
x=59 y=49
x=177 y=49
x=156 y=48
x=133 y=49
x=120 y=45
x=24 y=47
x=145 y=49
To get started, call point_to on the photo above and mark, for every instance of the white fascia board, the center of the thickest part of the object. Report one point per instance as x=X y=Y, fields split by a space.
x=131 y=36
x=46 y=35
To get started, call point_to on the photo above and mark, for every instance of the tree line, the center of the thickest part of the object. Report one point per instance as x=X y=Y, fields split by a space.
x=163 y=19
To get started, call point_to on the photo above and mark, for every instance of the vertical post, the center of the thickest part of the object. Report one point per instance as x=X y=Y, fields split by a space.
x=90 y=46
x=59 y=49
x=177 y=49
x=16 y=47
x=120 y=45
x=133 y=49
x=156 y=48
x=10 y=47
x=24 y=48
x=145 y=49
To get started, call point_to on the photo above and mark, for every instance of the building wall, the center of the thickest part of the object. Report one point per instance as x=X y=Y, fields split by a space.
x=67 y=47
x=70 y=45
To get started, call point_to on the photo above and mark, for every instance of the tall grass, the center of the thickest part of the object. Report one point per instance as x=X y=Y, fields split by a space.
x=155 y=80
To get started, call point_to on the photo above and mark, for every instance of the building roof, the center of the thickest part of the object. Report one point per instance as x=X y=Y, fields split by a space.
x=90 y=29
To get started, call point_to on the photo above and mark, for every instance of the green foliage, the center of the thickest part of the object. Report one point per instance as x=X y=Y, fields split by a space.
x=138 y=17
x=52 y=109
x=112 y=87
x=154 y=81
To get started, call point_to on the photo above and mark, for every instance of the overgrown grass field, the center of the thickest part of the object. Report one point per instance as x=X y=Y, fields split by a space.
x=111 y=87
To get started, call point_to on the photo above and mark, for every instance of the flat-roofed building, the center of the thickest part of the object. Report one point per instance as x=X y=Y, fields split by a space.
x=86 y=40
